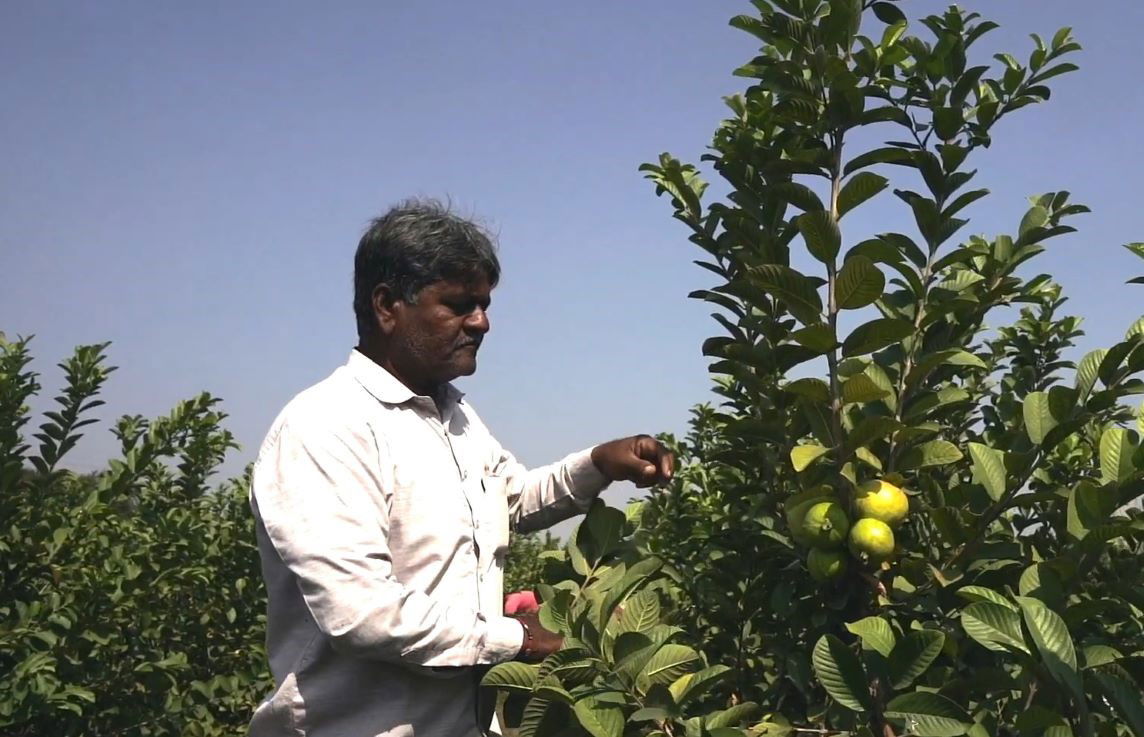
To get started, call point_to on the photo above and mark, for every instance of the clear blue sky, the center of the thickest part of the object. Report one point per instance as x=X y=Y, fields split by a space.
x=189 y=180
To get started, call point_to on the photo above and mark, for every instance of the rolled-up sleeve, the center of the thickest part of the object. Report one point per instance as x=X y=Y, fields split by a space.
x=318 y=495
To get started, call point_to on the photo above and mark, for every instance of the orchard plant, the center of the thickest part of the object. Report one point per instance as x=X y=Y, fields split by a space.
x=130 y=597
x=911 y=514
x=625 y=668
x=900 y=520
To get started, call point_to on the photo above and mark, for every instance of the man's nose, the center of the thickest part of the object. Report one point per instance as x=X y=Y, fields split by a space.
x=478 y=321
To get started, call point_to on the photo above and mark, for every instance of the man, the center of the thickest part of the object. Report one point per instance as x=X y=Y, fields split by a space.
x=383 y=505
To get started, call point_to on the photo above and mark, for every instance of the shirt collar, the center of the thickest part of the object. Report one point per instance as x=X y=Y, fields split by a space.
x=385 y=387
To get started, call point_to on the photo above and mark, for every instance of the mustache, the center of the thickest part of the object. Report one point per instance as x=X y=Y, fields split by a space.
x=474 y=342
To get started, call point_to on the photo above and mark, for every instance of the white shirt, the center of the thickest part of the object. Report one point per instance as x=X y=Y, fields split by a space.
x=382 y=525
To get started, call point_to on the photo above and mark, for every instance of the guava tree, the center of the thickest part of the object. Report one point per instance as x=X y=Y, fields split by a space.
x=854 y=366
x=627 y=667
x=130 y=597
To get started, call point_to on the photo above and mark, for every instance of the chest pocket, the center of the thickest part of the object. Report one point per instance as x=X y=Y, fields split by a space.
x=494 y=527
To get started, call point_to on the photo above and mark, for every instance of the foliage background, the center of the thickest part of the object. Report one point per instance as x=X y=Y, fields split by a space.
x=69 y=587
x=131 y=599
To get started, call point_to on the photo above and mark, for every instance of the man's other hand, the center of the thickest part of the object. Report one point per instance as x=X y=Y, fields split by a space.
x=542 y=643
x=640 y=459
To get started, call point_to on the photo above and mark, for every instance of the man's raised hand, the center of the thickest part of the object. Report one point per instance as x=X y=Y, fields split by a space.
x=641 y=459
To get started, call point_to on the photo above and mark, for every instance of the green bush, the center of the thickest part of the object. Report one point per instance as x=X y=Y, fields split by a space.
x=1012 y=605
x=131 y=601
x=625 y=666
x=1012 y=602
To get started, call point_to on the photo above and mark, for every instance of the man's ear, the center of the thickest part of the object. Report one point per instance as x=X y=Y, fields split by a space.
x=386 y=308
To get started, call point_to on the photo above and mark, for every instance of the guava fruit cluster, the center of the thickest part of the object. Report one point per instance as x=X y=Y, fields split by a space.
x=819 y=521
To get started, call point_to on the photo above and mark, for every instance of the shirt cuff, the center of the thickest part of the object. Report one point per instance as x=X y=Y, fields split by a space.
x=585 y=480
x=504 y=639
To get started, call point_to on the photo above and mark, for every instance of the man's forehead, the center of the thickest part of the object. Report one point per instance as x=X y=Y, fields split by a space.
x=463 y=285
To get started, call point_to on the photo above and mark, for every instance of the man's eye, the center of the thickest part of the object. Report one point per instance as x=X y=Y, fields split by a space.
x=465 y=308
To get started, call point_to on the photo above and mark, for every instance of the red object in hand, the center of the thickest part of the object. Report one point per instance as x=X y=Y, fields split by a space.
x=521 y=602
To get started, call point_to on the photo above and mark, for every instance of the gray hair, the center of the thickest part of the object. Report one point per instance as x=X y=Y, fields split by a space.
x=415 y=244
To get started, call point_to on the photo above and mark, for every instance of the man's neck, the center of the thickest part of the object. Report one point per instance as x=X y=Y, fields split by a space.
x=381 y=358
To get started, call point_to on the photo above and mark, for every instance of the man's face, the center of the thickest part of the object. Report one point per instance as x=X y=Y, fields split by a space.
x=436 y=338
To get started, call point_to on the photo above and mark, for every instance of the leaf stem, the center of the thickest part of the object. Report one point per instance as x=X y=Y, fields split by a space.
x=992 y=513
x=831 y=291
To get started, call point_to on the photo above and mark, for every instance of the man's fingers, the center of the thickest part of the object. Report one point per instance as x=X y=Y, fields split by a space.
x=647 y=446
x=665 y=462
x=640 y=459
x=662 y=463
